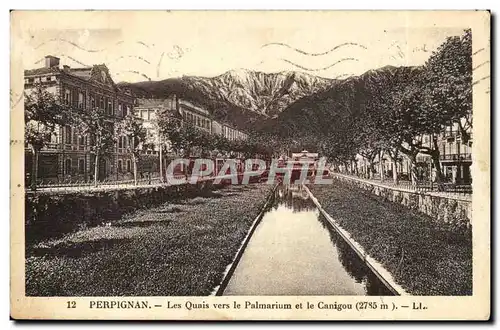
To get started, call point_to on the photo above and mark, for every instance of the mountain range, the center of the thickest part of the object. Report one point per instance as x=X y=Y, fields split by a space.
x=286 y=102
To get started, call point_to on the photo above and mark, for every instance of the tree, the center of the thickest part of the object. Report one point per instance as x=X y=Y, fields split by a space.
x=184 y=138
x=44 y=113
x=221 y=143
x=440 y=95
x=449 y=81
x=205 y=142
x=101 y=131
x=132 y=128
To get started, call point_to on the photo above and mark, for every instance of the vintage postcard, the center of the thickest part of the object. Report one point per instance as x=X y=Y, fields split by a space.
x=250 y=165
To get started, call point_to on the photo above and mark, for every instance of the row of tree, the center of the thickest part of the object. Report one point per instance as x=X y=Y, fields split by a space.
x=185 y=140
x=45 y=115
x=400 y=110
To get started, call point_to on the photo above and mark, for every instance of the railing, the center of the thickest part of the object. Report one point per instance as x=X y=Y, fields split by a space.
x=445 y=189
x=456 y=156
x=70 y=185
x=77 y=185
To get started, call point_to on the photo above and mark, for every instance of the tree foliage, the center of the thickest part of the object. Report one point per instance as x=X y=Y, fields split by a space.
x=398 y=111
x=43 y=114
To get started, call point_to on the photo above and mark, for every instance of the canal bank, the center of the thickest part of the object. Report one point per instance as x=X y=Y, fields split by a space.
x=295 y=251
x=422 y=255
x=180 y=248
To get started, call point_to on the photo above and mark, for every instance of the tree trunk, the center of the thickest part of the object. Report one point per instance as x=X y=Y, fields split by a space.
x=96 y=168
x=346 y=168
x=134 y=160
x=413 y=169
x=395 y=171
x=34 y=169
x=354 y=167
x=161 y=163
x=381 y=165
x=393 y=155
x=439 y=171
x=437 y=165
x=371 y=172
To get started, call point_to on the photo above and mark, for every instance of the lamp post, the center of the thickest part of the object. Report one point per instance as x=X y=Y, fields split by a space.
x=161 y=157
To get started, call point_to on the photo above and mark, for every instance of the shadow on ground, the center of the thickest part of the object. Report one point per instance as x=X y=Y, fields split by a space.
x=74 y=249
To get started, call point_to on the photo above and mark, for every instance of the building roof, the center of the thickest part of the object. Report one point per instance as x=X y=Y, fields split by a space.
x=194 y=107
x=152 y=103
x=84 y=73
x=41 y=71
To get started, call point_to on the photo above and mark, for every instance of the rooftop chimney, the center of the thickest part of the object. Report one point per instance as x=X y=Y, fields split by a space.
x=51 y=61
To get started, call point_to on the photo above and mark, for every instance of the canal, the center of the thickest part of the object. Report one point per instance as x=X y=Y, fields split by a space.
x=294 y=251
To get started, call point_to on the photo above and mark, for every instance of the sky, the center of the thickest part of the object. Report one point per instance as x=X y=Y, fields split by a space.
x=138 y=46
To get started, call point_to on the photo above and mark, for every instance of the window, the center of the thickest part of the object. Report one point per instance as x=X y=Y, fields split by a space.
x=129 y=167
x=81 y=166
x=67 y=96
x=67 y=137
x=30 y=80
x=120 y=142
x=49 y=78
x=110 y=107
x=92 y=102
x=54 y=138
x=80 y=100
x=67 y=166
x=101 y=103
x=120 y=113
x=81 y=140
x=120 y=165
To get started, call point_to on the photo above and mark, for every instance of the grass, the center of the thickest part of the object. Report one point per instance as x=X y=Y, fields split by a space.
x=177 y=249
x=424 y=257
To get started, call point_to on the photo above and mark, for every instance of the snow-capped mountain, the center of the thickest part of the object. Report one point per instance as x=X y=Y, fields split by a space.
x=266 y=94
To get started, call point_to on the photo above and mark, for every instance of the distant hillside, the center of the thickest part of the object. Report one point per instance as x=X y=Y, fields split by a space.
x=323 y=112
x=287 y=103
x=220 y=109
x=241 y=96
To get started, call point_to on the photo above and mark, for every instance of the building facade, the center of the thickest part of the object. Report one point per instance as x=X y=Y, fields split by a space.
x=455 y=158
x=455 y=155
x=186 y=112
x=68 y=156
x=229 y=132
x=148 y=110
x=195 y=115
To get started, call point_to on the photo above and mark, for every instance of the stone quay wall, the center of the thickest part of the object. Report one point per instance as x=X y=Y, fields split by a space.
x=454 y=211
x=50 y=214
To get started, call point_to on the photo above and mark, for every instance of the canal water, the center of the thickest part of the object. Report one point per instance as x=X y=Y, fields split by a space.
x=294 y=251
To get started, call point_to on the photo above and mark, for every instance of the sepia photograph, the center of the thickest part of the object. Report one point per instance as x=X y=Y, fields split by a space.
x=261 y=160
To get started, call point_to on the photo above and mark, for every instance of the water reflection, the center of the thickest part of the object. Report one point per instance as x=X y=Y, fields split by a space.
x=353 y=264
x=293 y=197
x=294 y=251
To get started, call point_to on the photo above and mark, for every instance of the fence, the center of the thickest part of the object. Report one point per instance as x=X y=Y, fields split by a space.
x=76 y=185
x=451 y=190
x=69 y=186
